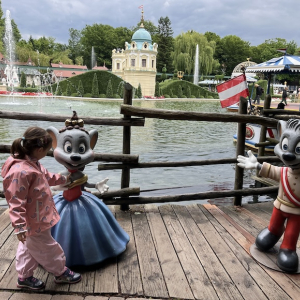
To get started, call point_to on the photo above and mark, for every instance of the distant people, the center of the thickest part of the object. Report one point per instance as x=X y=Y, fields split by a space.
x=284 y=95
x=259 y=92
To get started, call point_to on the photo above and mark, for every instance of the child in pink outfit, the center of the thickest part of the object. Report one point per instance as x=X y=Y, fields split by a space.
x=32 y=210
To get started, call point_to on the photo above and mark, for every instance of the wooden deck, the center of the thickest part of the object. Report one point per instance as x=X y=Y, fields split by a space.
x=182 y=252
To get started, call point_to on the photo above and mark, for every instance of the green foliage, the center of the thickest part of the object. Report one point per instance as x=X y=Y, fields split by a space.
x=91 y=80
x=173 y=85
x=233 y=50
x=165 y=42
x=95 y=87
x=80 y=90
x=59 y=91
x=139 y=91
x=33 y=84
x=185 y=49
x=68 y=90
x=109 y=91
x=157 y=91
x=105 y=38
x=88 y=95
x=188 y=92
x=103 y=96
x=179 y=93
x=23 y=80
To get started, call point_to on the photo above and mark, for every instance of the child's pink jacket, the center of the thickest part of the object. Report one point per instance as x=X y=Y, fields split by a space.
x=27 y=192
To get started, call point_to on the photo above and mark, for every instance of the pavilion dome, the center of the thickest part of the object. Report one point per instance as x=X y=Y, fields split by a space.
x=142 y=35
x=245 y=64
x=238 y=70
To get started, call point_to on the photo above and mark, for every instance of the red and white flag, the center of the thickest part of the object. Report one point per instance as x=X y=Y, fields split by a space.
x=142 y=6
x=231 y=90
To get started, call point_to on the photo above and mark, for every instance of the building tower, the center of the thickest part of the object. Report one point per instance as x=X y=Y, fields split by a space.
x=137 y=63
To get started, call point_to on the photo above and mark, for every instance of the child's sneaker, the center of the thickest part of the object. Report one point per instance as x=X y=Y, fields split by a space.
x=68 y=277
x=30 y=283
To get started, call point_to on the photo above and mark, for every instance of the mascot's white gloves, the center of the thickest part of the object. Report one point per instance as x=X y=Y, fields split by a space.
x=248 y=162
x=101 y=186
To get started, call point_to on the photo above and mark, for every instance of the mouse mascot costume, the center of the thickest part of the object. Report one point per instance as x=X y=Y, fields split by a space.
x=287 y=204
x=87 y=230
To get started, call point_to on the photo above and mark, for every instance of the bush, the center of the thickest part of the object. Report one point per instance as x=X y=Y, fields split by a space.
x=102 y=96
x=109 y=90
x=167 y=96
x=117 y=96
x=74 y=95
x=80 y=91
x=183 y=96
x=87 y=95
x=179 y=91
x=174 y=96
x=95 y=88
x=193 y=96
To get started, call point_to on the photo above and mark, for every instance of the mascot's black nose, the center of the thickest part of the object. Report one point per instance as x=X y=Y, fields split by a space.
x=288 y=156
x=75 y=157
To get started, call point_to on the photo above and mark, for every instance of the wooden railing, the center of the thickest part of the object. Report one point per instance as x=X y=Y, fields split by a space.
x=135 y=116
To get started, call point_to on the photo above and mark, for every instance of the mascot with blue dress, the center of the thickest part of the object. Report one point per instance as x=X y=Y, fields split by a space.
x=87 y=231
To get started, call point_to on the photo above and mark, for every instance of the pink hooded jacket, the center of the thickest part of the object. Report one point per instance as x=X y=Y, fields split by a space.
x=26 y=186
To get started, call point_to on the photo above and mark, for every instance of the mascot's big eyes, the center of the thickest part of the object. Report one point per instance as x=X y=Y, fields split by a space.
x=81 y=148
x=68 y=147
x=297 y=149
x=285 y=144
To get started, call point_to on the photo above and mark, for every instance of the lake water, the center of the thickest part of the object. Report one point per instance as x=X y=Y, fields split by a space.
x=158 y=140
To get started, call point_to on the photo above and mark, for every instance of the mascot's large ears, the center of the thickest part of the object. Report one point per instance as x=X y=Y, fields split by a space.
x=54 y=135
x=93 y=138
x=281 y=126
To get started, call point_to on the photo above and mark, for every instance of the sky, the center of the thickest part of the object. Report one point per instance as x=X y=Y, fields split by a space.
x=254 y=21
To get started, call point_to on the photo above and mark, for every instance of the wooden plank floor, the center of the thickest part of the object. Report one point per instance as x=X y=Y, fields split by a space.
x=182 y=252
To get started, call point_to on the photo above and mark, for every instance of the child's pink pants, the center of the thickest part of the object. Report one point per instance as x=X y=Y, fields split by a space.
x=40 y=249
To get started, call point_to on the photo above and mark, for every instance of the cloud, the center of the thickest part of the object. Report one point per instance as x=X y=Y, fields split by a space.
x=253 y=21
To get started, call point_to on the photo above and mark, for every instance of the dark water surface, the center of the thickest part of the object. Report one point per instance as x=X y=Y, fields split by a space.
x=158 y=140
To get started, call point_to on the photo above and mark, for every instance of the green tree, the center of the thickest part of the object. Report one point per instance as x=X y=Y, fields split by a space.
x=80 y=91
x=95 y=87
x=23 y=80
x=109 y=90
x=185 y=49
x=234 y=51
x=68 y=91
x=58 y=91
x=33 y=84
x=104 y=39
x=139 y=91
x=165 y=43
x=16 y=32
x=188 y=92
x=179 y=94
x=157 y=91
x=75 y=46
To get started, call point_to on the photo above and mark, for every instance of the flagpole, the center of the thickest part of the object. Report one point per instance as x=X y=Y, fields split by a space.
x=249 y=97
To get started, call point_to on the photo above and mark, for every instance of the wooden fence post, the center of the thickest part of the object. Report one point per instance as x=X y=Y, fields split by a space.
x=240 y=150
x=263 y=129
x=125 y=179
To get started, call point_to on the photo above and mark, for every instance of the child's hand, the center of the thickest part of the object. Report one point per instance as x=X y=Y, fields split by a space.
x=21 y=237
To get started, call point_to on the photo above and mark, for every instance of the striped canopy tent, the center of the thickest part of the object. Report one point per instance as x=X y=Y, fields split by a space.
x=286 y=64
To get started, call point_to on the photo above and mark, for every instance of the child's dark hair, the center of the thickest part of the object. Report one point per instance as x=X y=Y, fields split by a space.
x=33 y=138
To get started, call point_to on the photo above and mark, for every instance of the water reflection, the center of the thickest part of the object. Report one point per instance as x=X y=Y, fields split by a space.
x=158 y=140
